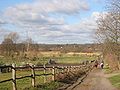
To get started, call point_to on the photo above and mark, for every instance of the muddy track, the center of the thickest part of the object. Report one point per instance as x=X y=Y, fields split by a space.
x=95 y=80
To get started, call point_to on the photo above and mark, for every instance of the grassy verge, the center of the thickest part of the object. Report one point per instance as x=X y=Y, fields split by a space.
x=107 y=71
x=48 y=86
x=115 y=80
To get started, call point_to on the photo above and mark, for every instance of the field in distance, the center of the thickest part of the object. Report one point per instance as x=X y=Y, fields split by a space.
x=44 y=57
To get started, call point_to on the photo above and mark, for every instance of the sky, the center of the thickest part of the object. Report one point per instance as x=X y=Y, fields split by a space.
x=51 y=21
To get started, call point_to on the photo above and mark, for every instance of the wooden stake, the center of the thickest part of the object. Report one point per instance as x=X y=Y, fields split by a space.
x=53 y=73
x=33 y=75
x=14 y=77
x=44 y=73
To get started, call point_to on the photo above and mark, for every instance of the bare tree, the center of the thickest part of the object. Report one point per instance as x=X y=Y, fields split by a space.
x=108 y=31
x=13 y=36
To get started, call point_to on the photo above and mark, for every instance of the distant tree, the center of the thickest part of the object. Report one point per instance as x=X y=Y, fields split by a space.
x=7 y=46
x=9 y=43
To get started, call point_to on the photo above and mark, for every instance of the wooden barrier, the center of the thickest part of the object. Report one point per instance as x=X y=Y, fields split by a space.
x=55 y=70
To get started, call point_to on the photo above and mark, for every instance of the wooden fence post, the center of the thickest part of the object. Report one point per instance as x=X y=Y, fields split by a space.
x=68 y=69
x=57 y=70
x=74 y=68
x=14 y=77
x=0 y=70
x=62 y=69
x=71 y=68
x=77 y=68
x=33 y=75
x=53 y=73
x=44 y=73
x=65 y=68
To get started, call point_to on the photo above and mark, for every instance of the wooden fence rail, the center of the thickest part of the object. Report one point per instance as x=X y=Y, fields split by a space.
x=55 y=70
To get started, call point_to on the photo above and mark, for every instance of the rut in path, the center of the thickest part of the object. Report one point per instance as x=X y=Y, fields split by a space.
x=96 y=80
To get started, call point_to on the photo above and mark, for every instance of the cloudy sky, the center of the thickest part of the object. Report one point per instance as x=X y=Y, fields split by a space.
x=51 y=21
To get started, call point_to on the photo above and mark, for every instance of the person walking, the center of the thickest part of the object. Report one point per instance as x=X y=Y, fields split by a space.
x=96 y=64
x=102 y=64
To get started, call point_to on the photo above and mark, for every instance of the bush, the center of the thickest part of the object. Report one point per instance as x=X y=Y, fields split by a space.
x=38 y=64
x=70 y=77
x=2 y=63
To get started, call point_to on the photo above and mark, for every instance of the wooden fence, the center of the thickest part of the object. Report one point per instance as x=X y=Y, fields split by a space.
x=55 y=70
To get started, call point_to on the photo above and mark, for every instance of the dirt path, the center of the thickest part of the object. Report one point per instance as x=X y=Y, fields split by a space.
x=96 y=80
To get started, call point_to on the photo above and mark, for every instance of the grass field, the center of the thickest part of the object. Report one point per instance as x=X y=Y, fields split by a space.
x=24 y=83
x=44 y=59
x=115 y=80
x=21 y=83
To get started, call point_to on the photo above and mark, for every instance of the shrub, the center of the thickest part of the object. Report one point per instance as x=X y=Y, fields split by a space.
x=2 y=63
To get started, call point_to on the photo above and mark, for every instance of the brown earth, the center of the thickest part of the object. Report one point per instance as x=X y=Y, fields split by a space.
x=96 y=80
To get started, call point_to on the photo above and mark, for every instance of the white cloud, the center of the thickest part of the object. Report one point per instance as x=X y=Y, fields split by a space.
x=62 y=6
x=39 y=10
x=39 y=18
x=2 y=21
x=86 y=25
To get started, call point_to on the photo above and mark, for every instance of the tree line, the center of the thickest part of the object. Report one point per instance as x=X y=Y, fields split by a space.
x=11 y=45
